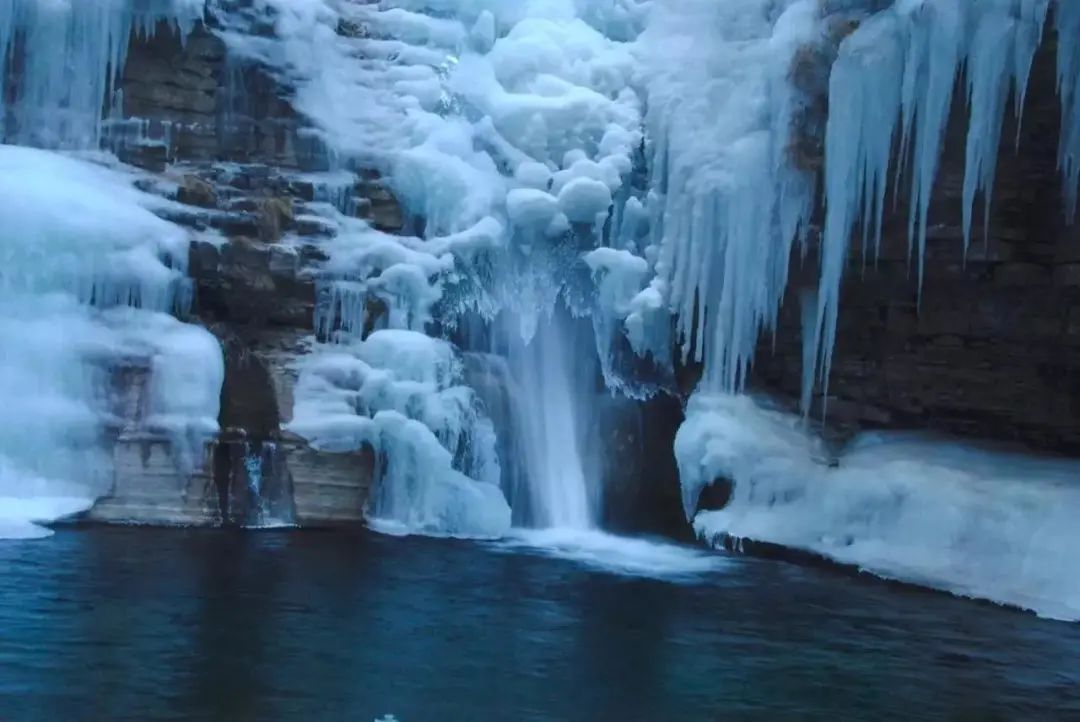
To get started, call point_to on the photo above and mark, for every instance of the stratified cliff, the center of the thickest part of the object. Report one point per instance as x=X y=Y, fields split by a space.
x=990 y=347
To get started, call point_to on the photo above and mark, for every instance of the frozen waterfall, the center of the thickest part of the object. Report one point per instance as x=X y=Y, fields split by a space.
x=631 y=162
x=509 y=129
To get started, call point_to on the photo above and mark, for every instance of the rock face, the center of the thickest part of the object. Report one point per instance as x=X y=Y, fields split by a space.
x=641 y=478
x=991 y=345
x=227 y=145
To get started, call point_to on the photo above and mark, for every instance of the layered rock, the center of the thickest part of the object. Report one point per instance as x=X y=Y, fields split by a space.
x=223 y=141
x=989 y=346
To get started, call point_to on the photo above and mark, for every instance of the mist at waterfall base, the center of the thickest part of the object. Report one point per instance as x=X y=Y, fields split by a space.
x=555 y=476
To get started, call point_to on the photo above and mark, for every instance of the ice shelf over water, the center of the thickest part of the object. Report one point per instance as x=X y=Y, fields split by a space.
x=88 y=278
x=977 y=522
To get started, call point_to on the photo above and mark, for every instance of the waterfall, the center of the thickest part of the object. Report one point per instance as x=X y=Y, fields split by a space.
x=554 y=426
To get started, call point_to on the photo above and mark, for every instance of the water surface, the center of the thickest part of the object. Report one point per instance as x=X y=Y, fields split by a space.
x=106 y=624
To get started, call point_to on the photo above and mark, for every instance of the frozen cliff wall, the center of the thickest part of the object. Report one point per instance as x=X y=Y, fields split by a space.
x=988 y=344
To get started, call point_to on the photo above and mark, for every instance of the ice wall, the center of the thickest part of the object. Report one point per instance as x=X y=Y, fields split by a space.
x=61 y=61
x=977 y=522
x=89 y=277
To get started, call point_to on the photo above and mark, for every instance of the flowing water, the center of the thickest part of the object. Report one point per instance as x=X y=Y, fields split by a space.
x=123 y=624
x=553 y=392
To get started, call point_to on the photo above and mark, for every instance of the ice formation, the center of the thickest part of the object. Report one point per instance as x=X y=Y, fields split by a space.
x=508 y=128
x=974 y=521
x=725 y=204
x=893 y=82
x=646 y=144
x=400 y=393
x=89 y=278
x=626 y=160
x=65 y=58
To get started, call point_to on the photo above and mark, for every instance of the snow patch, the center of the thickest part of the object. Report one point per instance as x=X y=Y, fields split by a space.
x=977 y=522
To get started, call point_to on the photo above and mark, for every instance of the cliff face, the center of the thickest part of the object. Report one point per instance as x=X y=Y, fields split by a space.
x=221 y=139
x=991 y=346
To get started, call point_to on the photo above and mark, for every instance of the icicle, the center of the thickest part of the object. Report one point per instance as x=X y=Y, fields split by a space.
x=865 y=92
x=71 y=59
x=1068 y=79
x=988 y=77
x=1029 y=34
x=730 y=206
x=920 y=47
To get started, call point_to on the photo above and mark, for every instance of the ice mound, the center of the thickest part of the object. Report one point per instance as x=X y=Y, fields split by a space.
x=977 y=522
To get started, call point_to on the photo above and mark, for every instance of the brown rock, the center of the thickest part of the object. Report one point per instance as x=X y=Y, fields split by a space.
x=275 y=216
x=195 y=191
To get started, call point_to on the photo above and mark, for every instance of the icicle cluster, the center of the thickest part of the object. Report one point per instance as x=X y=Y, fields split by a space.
x=973 y=521
x=64 y=58
x=725 y=205
x=893 y=83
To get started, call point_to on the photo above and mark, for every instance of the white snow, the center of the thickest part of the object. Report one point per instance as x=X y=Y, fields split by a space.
x=977 y=522
x=531 y=208
x=582 y=199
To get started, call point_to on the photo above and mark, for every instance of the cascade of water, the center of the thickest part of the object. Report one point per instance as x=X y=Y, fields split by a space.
x=554 y=424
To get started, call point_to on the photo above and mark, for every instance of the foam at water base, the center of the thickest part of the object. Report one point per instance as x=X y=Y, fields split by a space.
x=632 y=557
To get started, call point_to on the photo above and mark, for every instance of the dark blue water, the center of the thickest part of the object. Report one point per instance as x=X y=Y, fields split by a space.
x=129 y=624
